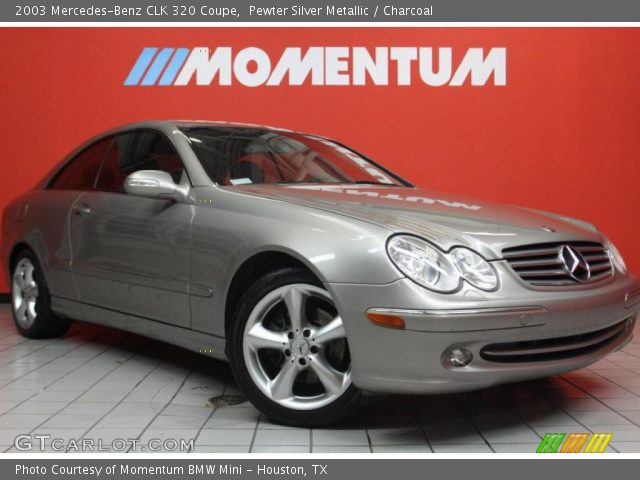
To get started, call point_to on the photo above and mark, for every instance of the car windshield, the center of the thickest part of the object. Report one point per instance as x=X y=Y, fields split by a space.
x=244 y=155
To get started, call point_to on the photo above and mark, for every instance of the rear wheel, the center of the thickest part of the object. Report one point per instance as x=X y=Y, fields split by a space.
x=289 y=351
x=30 y=300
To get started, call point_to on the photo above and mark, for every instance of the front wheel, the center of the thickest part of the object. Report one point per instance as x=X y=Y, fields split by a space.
x=289 y=351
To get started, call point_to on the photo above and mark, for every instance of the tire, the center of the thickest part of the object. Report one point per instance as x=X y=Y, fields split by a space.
x=30 y=300
x=278 y=359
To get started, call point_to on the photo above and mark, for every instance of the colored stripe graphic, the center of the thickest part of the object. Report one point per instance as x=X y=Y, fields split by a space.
x=569 y=443
x=598 y=443
x=140 y=66
x=581 y=442
x=550 y=443
x=174 y=66
x=157 y=67
x=574 y=443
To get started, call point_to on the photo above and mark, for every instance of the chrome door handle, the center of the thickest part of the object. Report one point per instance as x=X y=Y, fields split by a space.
x=82 y=210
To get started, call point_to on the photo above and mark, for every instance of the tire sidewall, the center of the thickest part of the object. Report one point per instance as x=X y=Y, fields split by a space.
x=317 y=417
x=46 y=323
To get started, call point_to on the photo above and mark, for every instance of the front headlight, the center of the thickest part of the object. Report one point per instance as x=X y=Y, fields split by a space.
x=474 y=269
x=423 y=263
x=439 y=271
x=615 y=255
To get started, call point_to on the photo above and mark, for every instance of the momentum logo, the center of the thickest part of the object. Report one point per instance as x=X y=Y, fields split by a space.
x=253 y=67
x=574 y=442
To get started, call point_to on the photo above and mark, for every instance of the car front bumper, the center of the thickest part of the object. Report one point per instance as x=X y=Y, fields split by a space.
x=535 y=332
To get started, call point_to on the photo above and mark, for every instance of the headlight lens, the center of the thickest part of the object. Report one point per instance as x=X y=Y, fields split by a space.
x=474 y=269
x=423 y=263
x=616 y=257
x=436 y=270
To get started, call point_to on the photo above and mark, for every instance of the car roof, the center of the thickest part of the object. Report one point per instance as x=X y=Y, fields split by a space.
x=194 y=123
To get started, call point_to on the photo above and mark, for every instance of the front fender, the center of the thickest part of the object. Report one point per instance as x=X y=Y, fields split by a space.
x=230 y=228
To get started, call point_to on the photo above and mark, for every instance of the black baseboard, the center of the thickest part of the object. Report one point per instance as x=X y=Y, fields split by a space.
x=4 y=298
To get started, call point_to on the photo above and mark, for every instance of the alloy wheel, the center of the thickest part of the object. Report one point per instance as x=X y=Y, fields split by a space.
x=295 y=347
x=24 y=293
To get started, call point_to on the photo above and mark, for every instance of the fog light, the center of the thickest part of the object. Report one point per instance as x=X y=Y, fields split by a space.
x=458 y=357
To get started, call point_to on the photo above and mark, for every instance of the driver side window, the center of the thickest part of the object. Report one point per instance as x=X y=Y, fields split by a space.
x=143 y=150
x=80 y=173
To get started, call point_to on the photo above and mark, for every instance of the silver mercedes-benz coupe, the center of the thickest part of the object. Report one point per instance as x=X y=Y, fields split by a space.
x=317 y=273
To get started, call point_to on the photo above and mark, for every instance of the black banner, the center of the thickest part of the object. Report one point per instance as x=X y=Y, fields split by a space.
x=382 y=11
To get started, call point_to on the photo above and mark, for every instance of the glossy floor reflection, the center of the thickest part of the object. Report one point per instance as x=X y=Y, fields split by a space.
x=102 y=384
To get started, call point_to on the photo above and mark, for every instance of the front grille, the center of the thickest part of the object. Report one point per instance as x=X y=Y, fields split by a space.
x=555 y=348
x=542 y=265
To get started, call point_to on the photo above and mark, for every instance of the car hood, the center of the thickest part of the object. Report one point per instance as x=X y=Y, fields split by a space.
x=441 y=218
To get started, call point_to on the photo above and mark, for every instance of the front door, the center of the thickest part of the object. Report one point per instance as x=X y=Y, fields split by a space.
x=131 y=254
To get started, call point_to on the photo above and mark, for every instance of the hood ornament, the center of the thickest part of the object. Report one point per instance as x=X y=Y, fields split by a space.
x=549 y=229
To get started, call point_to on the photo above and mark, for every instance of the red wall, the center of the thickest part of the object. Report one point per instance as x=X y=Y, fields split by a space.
x=562 y=135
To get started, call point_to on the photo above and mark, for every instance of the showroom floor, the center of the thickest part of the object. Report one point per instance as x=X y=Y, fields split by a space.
x=99 y=383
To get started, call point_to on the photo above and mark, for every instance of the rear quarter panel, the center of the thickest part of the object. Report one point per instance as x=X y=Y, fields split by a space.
x=40 y=220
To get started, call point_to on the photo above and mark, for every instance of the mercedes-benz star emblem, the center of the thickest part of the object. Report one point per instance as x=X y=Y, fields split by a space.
x=575 y=264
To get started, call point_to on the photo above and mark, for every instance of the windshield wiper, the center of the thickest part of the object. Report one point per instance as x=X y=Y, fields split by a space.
x=284 y=182
x=358 y=182
x=371 y=182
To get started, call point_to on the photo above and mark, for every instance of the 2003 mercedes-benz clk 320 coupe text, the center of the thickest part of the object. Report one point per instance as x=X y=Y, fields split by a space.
x=316 y=272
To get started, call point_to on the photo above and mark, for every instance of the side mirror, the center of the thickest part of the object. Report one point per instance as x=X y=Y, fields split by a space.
x=154 y=184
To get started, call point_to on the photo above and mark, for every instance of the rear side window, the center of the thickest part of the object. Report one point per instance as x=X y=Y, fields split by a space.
x=135 y=151
x=80 y=173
